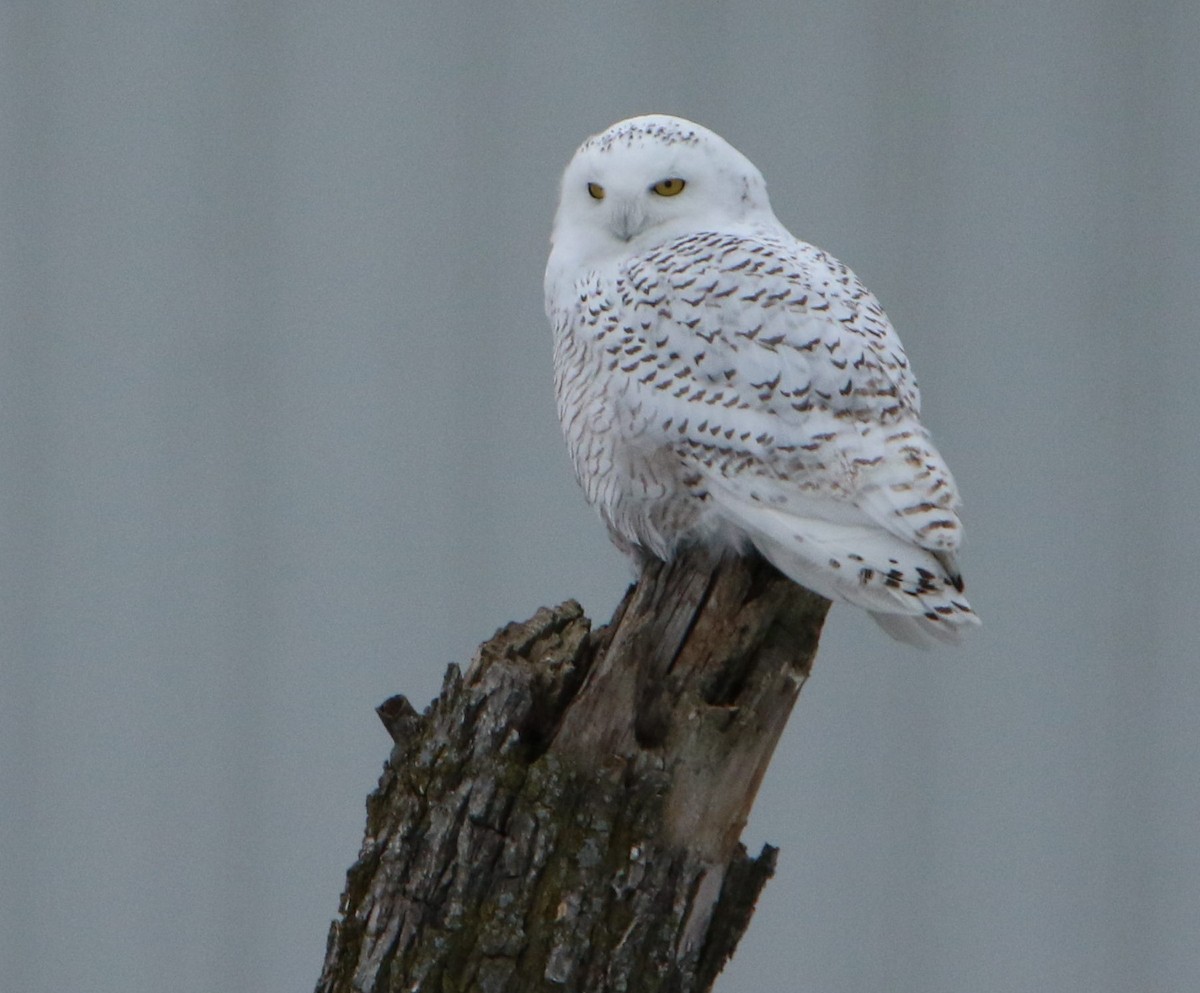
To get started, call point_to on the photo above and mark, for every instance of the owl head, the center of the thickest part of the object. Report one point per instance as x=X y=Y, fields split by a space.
x=648 y=179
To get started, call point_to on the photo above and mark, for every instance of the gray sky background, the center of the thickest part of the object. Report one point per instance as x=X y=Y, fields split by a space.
x=277 y=440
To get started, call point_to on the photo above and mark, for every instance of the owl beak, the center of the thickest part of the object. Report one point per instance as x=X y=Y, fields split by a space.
x=628 y=219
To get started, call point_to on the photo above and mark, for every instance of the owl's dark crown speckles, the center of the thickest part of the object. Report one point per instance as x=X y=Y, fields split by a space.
x=628 y=133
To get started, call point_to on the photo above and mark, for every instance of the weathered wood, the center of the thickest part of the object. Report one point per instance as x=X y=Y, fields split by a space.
x=565 y=816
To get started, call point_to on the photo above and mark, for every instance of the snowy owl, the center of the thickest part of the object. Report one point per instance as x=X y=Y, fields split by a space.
x=722 y=383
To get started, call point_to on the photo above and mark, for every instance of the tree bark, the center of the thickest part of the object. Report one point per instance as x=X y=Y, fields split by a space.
x=566 y=815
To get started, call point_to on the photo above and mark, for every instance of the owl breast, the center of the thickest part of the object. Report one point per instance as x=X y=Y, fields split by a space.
x=640 y=487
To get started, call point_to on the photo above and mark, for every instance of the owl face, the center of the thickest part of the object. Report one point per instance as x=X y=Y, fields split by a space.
x=649 y=179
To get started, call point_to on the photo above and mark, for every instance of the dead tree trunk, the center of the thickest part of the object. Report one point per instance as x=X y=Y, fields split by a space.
x=566 y=815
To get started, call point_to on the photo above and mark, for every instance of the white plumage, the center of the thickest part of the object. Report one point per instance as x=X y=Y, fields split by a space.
x=720 y=381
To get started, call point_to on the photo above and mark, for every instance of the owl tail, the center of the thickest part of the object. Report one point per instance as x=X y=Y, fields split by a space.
x=922 y=632
x=907 y=590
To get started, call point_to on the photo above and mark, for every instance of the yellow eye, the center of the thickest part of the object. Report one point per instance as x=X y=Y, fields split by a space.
x=669 y=187
x=596 y=191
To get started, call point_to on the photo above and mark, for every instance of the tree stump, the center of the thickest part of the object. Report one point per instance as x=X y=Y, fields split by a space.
x=566 y=815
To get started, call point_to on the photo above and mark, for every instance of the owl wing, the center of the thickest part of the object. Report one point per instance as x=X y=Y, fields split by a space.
x=776 y=377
